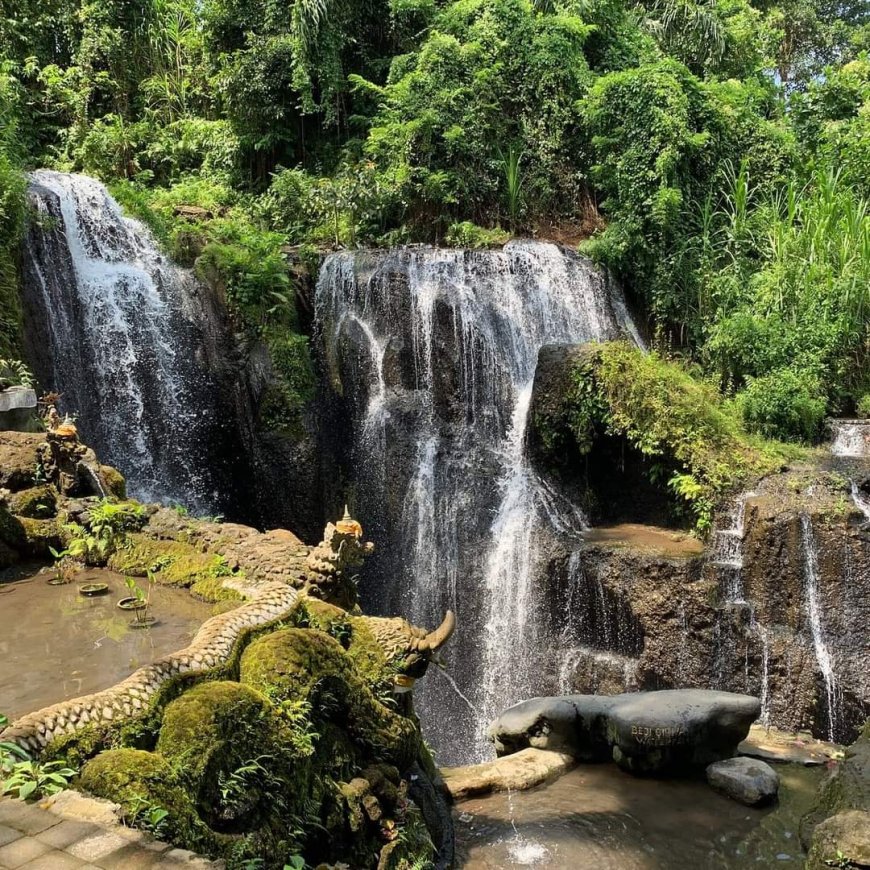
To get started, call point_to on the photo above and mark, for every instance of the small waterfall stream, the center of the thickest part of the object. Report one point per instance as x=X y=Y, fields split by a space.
x=860 y=500
x=850 y=437
x=108 y=329
x=435 y=351
x=814 y=618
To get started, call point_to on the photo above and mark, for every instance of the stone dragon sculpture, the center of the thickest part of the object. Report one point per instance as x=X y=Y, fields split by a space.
x=407 y=648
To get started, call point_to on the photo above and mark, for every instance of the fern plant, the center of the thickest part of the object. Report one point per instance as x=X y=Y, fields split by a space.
x=14 y=373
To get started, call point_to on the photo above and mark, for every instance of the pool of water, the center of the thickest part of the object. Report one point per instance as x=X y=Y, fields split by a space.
x=598 y=817
x=56 y=644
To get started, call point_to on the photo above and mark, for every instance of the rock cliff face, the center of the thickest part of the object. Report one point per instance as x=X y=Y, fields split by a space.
x=776 y=603
x=163 y=382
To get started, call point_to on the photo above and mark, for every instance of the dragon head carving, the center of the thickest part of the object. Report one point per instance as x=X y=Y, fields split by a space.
x=408 y=647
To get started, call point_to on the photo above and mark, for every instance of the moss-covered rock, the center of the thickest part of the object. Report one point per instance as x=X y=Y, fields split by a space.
x=139 y=781
x=114 y=481
x=173 y=563
x=12 y=532
x=292 y=663
x=288 y=663
x=42 y=536
x=838 y=824
x=198 y=726
x=39 y=502
x=209 y=734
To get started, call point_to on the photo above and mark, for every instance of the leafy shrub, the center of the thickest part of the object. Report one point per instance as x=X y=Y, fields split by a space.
x=863 y=406
x=670 y=416
x=785 y=404
x=105 y=531
x=14 y=373
x=468 y=235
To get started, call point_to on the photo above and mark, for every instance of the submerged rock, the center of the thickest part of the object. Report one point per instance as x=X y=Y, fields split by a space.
x=643 y=732
x=745 y=780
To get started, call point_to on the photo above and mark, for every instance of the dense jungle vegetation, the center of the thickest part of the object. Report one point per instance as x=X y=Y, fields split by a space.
x=715 y=154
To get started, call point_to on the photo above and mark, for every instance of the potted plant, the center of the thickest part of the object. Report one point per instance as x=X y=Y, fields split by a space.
x=138 y=603
x=65 y=567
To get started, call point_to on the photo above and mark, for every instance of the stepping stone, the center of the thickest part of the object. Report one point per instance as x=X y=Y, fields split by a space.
x=745 y=780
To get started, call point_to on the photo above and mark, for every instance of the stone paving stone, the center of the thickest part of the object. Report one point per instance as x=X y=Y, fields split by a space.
x=131 y=856
x=15 y=854
x=24 y=817
x=54 y=860
x=7 y=835
x=67 y=832
x=97 y=846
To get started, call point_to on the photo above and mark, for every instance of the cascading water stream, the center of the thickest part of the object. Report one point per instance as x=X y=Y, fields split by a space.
x=814 y=617
x=861 y=501
x=458 y=510
x=850 y=437
x=107 y=327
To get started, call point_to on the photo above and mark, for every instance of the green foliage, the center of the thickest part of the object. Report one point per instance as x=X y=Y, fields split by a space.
x=784 y=404
x=671 y=417
x=14 y=373
x=105 y=531
x=28 y=779
x=488 y=72
x=465 y=234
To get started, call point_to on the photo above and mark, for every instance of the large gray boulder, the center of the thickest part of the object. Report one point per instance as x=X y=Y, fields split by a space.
x=643 y=732
x=746 y=780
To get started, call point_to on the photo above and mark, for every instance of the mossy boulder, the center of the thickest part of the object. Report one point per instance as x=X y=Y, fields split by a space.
x=138 y=780
x=12 y=532
x=288 y=663
x=114 y=481
x=209 y=733
x=38 y=503
x=308 y=665
x=42 y=536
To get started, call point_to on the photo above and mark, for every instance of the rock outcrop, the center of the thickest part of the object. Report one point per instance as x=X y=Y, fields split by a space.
x=745 y=780
x=643 y=732
x=837 y=831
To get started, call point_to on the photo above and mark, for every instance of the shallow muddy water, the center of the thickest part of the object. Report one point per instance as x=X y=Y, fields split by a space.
x=598 y=817
x=56 y=644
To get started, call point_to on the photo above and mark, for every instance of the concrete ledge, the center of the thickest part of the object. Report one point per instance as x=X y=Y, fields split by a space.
x=14 y=398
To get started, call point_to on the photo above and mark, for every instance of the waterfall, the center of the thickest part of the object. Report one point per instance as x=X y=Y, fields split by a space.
x=814 y=617
x=728 y=550
x=443 y=345
x=861 y=501
x=108 y=329
x=850 y=437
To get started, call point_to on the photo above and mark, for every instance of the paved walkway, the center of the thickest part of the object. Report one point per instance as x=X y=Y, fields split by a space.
x=34 y=838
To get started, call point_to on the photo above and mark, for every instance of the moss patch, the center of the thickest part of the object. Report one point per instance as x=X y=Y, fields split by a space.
x=114 y=481
x=139 y=780
x=173 y=563
x=12 y=532
x=307 y=665
x=42 y=536
x=691 y=435
x=38 y=503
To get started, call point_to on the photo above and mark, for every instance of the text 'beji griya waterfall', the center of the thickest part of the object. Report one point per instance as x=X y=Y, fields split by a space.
x=430 y=355
x=108 y=327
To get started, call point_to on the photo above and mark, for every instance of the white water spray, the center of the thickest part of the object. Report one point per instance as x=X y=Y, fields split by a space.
x=461 y=332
